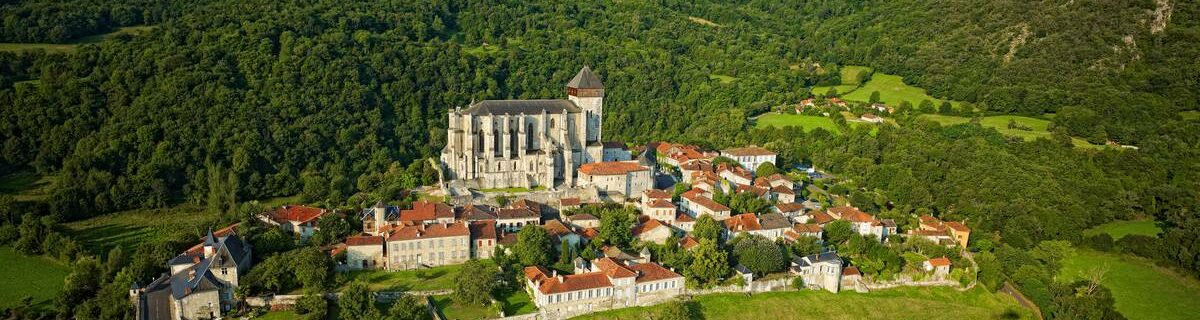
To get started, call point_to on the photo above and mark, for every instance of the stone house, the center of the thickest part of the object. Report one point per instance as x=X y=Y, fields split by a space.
x=513 y=219
x=940 y=267
x=584 y=220
x=560 y=232
x=626 y=178
x=861 y=222
x=483 y=239
x=430 y=245
x=298 y=220
x=696 y=203
x=365 y=252
x=750 y=157
x=803 y=230
x=769 y=225
x=684 y=222
x=605 y=284
x=201 y=281
x=653 y=231
x=819 y=271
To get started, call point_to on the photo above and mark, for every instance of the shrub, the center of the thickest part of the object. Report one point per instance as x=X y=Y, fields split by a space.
x=312 y=305
x=1102 y=242
x=798 y=283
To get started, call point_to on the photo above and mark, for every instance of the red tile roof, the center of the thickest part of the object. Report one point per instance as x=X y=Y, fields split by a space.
x=610 y=168
x=569 y=201
x=437 y=230
x=706 y=202
x=688 y=242
x=648 y=226
x=807 y=228
x=574 y=282
x=749 y=188
x=590 y=233
x=821 y=218
x=425 y=210
x=789 y=207
x=929 y=233
x=852 y=214
x=528 y=204
x=742 y=222
x=299 y=214
x=536 y=273
x=364 y=241
x=483 y=230
x=958 y=226
x=851 y=271
x=582 y=217
x=661 y=204
x=652 y=272
x=938 y=262
x=782 y=190
x=684 y=217
x=612 y=268
x=751 y=151
x=656 y=194
x=556 y=228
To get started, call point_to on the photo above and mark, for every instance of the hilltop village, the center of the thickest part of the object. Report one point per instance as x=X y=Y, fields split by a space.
x=580 y=224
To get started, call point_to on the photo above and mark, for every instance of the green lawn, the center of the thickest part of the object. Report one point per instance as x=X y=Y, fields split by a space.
x=484 y=50
x=902 y=303
x=841 y=89
x=25 y=186
x=850 y=75
x=456 y=311
x=38 y=277
x=1141 y=289
x=892 y=90
x=71 y=45
x=517 y=302
x=436 y=278
x=1000 y=123
x=1120 y=229
x=809 y=123
x=724 y=79
x=277 y=315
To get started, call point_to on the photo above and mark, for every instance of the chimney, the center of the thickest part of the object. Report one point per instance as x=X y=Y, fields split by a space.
x=191 y=274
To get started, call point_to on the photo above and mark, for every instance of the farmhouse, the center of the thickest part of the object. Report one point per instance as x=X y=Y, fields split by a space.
x=299 y=220
x=428 y=245
x=750 y=157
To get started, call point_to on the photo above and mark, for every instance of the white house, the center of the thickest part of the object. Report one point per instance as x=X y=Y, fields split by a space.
x=626 y=178
x=820 y=271
x=750 y=157
x=364 y=252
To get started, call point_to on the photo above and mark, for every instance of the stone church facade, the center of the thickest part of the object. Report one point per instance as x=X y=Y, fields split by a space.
x=526 y=143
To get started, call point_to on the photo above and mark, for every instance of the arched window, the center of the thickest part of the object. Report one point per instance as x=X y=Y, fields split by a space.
x=530 y=132
x=512 y=142
x=551 y=123
x=496 y=139
x=479 y=140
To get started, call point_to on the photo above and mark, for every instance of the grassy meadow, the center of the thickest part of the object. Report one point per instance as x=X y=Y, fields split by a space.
x=75 y=43
x=891 y=304
x=893 y=90
x=453 y=310
x=850 y=81
x=436 y=278
x=809 y=123
x=1141 y=289
x=40 y=278
x=1038 y=127
x=1120 y=229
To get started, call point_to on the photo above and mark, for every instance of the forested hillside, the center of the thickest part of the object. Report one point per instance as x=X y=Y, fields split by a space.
x=232 y=100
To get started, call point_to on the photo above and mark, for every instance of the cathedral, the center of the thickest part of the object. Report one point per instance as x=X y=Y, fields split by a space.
x=526 y=143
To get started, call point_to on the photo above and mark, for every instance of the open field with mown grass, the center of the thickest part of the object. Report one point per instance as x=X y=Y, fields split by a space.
x=841 y=89
x=73 y=44
x=1120 y=229
x=40 y=278
x=130 y=229
x=1142 y=290
x=25 y=186
x=893 y=90
x=436 y=278
x=454 y=310
x=902 y=303
x=1038 y=127
x=809 y=123
x=724 y=79
x=850 y=82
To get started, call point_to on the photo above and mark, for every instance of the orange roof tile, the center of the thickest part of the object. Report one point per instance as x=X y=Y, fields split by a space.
x=364 y=240
x=656 y=194
x=610 y=168
x=574 y=282
x=661 y=204
x=437 y=230
x=938 y=262
x=684 y=217
x=652 y=272
x=613 y=269
x=648 y=226
x=958 y=226
x=299 y=214
x=556 y=228
x=688 y=242
x=743 y=222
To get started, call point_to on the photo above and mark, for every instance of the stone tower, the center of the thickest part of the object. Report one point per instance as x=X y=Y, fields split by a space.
x=586 y=91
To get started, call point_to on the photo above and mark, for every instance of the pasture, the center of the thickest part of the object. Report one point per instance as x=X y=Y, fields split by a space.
x=1120 y=229
x=1038 y=127
x=1142 y=290
x=75 y=43
x=40 y=278
x=893 y=90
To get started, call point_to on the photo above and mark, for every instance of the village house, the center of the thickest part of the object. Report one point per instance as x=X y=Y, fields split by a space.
x=791 y=210
x=696 y=168
x=652 y=230
x=837 y=102
x=201 y=281
x=298 y=220
x=684 y=222
x=430 y=245
x=868 y=117
x=571 y=203
x=678 y=154
x=656 y=204
x=560 y=233
x=937 y=237
x=513 y=219
x=697 y=203
x=425 y=211
x=769 y=225
x=735 y=175
x=803 y=230
x=483 y=239
x=861 y=222
x=957 y=231
x=688 y=242
x=604 y=284
x=616 y=151
x=820 y=271
x=584 y=221
x=750 y=157
x=626 y=178
x=940 y=267
x=365 y=252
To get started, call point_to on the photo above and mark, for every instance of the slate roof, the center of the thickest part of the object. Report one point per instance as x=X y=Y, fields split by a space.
x=817 y=258
x=550 y=106
x=585 y=79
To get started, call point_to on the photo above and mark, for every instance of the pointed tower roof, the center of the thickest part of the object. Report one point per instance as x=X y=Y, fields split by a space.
x=585 y=79
x=211 y=239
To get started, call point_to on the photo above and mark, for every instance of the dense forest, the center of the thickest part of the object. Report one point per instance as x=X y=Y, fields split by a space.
x=224 y=101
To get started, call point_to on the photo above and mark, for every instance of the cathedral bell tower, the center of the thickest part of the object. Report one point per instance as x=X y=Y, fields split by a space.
x=586 y=91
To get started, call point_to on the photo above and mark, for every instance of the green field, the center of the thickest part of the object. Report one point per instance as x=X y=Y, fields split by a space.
x=456 y=311
x=850 y=74
x=809 y=123
x=892 y=90
x=724 y=79
x=25 y=186
x=841 y=89
x=1120 y=229
x=1000 y=123
x=38 y=277
x=902 y=303
x=1141 y=289
x=517 y=302
x=130 y=229
x=71 y=45
x=436 y=278
x=277 y=315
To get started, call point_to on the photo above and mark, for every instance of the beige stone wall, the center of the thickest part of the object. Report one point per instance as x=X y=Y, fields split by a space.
x=359 y=257
x=408 y=254
x=481 y=152
x=200 y=305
